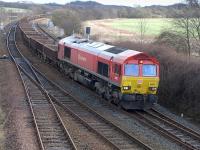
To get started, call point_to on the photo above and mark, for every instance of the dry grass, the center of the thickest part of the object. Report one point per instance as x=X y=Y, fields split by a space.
x=127 y=29
x=103 y=32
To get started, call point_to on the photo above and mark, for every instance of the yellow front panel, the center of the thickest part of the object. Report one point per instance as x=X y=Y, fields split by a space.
x=139 y=85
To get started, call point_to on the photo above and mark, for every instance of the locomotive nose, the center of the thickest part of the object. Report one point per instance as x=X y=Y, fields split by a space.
x=133 y=85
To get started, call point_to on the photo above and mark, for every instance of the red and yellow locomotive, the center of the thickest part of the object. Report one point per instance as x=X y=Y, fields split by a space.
x=126 y=77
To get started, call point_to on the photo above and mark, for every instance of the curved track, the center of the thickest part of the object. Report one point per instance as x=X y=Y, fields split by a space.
x=167 y=127
x=182 y=135
x=117 y=137
x=106 y=129
x=51 y=132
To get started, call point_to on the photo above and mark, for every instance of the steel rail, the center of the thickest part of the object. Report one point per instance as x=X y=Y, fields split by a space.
x=165 y=128
x=41 y=84
x=51 y=102
x=175 y=123
x=69 y=111
x=112 y=124
x=194 y=137
x=21 y=72
x=12 y=57
x=63 y=93
x=166 y=133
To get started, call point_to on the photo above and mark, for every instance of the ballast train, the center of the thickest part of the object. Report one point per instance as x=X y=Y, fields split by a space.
x=125 y=77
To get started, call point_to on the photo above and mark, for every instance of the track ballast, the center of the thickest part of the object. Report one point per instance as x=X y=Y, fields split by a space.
x=51 y=132
x=34 y=82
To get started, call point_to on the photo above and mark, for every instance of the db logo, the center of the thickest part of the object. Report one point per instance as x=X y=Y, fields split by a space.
x=139 y=82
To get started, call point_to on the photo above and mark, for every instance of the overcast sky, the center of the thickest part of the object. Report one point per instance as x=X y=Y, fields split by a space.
x=112 y=2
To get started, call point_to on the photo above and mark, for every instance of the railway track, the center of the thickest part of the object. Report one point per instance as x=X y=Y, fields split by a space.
x=51 y=131
x=117 y=137
x=182 y=135
x=169 y=128
x=166 y=126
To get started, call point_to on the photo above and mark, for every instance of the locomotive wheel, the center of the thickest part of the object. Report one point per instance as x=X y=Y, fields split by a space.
x=107 y=96
x=119 y=106
x=110 y=100
x=97 y=91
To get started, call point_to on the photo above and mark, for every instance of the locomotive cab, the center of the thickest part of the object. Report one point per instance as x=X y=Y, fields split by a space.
x=139 y=84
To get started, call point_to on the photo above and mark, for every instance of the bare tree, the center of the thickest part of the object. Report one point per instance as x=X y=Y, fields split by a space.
x=182 y=27
x=143 y=26
x=195 y=23
x=68 y=20
x=193 y=3
x=188 y=26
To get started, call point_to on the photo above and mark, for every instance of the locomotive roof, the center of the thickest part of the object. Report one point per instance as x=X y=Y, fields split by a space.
x=98 y=48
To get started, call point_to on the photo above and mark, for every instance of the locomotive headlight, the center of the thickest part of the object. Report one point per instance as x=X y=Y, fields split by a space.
x=126 y=87
x=152 y=88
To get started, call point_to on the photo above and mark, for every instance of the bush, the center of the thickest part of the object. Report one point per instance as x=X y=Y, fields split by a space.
x=179 y=78
x=68 y=20
x=174 y=40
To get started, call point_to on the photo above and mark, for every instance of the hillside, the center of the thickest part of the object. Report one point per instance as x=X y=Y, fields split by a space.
x=112 y=11
x=87 y=4
x=90 y=10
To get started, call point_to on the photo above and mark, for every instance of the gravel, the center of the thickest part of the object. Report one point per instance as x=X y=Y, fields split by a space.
x=135 y=128
x=82 y=136
x=141 y=132
x=178 y=118
x=18 y=130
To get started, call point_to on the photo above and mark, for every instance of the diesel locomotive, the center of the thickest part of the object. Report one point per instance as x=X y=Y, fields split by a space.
x=125 y=77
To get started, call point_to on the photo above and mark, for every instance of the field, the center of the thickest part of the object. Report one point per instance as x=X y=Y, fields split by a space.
x=153 y=26
x=9 y=14
x=17 y=10
x=128 y=28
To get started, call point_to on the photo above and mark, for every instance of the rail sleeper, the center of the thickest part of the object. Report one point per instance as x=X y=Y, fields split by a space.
x=104 y=127
x=49 y=126
x=50 y=129
x=186 y=135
